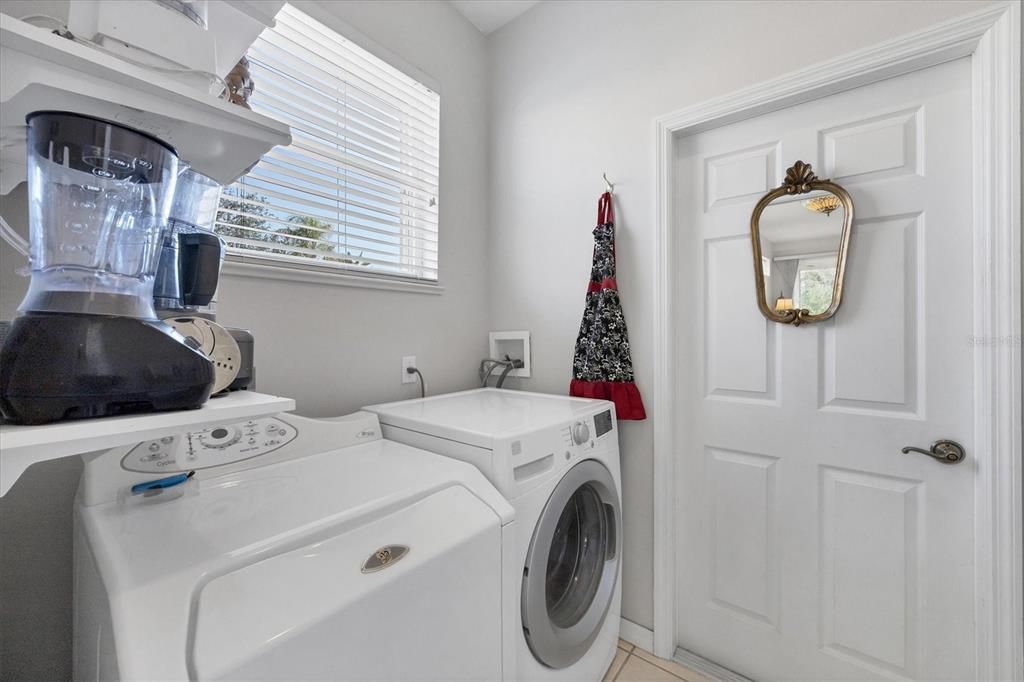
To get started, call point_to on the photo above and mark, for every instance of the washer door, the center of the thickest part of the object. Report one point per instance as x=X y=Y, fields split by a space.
x=571 y=568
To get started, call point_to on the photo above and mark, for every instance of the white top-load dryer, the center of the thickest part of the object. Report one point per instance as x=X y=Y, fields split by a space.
x=300 y=549
x=556 y=459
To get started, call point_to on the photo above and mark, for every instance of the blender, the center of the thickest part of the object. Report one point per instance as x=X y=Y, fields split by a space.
x=88 y=342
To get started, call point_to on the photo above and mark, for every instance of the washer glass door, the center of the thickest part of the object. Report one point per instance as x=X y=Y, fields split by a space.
x=571 y=568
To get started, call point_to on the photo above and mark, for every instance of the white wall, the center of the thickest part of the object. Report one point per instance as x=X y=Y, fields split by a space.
x=575 y=87
x=332 y=348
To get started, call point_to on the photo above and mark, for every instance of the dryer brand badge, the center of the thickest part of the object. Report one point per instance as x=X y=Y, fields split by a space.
x=384 y=557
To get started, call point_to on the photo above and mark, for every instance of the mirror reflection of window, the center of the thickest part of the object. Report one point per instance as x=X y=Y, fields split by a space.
x=815 y=280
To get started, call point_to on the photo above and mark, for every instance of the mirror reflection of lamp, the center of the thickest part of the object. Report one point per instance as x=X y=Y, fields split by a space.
x=825 y=203
x=782 y=303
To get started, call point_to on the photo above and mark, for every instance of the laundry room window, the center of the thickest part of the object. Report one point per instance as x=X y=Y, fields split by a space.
x=356 y=192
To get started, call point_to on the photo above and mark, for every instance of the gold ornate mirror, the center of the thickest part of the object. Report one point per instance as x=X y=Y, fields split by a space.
x=800 y=232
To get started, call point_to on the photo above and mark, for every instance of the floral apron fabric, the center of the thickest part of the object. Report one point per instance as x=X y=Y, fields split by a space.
x=602 y=366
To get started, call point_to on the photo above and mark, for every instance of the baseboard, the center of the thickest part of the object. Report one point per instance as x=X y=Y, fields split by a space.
x=636 y=634
x=640 y=636
x=708 y=669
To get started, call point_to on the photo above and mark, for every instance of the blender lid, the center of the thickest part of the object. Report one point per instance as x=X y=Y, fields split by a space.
x=97 y=119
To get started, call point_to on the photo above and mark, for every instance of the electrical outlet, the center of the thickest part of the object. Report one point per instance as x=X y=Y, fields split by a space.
x=407 y=362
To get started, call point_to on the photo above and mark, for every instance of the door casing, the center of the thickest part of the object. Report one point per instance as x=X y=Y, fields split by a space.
x=992 y=38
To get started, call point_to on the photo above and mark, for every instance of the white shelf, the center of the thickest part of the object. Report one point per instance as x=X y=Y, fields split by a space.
x=42 y=71
x=23 y=446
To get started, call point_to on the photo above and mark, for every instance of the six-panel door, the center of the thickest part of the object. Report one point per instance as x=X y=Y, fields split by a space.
x=809 y=546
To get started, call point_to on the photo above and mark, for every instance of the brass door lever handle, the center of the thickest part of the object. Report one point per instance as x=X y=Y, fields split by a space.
x=945 y=451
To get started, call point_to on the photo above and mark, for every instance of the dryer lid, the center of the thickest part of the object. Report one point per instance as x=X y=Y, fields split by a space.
x=334 y=607
x=481 y=416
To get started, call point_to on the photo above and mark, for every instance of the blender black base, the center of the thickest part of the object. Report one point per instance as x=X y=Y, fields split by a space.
x=57 y=366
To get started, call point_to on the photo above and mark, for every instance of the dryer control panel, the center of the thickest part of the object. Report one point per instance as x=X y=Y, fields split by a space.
x=211 y=447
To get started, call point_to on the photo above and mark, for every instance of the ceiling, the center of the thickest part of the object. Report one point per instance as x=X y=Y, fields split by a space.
x=490 y=15
x=786 y=222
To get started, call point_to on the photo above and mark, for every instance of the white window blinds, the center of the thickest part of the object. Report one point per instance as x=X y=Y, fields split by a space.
x=357 y=187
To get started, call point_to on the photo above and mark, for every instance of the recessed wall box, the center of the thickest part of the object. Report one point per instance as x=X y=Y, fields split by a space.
x=514 y=344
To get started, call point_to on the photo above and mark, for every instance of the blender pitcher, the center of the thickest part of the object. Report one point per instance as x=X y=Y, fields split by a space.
x=88 y=342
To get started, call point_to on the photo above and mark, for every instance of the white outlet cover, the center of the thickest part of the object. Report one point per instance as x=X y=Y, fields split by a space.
x=407 y=362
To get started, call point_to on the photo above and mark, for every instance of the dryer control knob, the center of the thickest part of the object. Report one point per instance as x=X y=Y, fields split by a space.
x=580 y=433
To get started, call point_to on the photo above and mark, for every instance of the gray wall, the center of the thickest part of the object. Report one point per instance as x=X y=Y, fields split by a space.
x=575 y=88
x=13 y=267
x=331 y=348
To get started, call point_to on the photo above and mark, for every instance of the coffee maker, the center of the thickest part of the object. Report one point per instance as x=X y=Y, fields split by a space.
x=191 y=257
x=191 y=254
x=88 y=342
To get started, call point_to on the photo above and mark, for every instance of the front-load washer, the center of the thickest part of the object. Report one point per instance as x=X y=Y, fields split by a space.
x=299 y=549
x=556 y=459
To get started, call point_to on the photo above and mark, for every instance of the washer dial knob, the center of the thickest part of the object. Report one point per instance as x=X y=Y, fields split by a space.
x=580 y=433
x=220 y=437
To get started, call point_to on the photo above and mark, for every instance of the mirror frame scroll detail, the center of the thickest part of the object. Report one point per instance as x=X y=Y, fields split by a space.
x=800 y=179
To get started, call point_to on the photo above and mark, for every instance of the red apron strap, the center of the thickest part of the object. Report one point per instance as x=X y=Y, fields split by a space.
x=605 y=213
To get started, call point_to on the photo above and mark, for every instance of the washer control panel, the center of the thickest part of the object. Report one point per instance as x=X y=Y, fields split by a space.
x=580 y=432
x=211 y=447
x=585 y=434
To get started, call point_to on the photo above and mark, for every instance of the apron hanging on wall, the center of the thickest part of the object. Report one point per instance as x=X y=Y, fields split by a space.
x=602 y=366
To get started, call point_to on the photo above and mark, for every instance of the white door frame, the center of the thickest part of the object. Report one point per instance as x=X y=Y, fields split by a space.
x=992 y=38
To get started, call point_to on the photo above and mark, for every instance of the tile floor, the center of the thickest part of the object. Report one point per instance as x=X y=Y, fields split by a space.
x=633 y=664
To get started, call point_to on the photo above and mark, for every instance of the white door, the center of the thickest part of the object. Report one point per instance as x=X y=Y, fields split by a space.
x=809 y=546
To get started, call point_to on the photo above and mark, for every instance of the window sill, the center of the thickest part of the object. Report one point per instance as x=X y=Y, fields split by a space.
x=235 y=266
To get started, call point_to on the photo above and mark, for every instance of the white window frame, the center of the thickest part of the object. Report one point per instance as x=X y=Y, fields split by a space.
x=240 y=263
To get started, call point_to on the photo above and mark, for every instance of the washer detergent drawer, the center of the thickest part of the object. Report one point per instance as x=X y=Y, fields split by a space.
x=323 y=612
